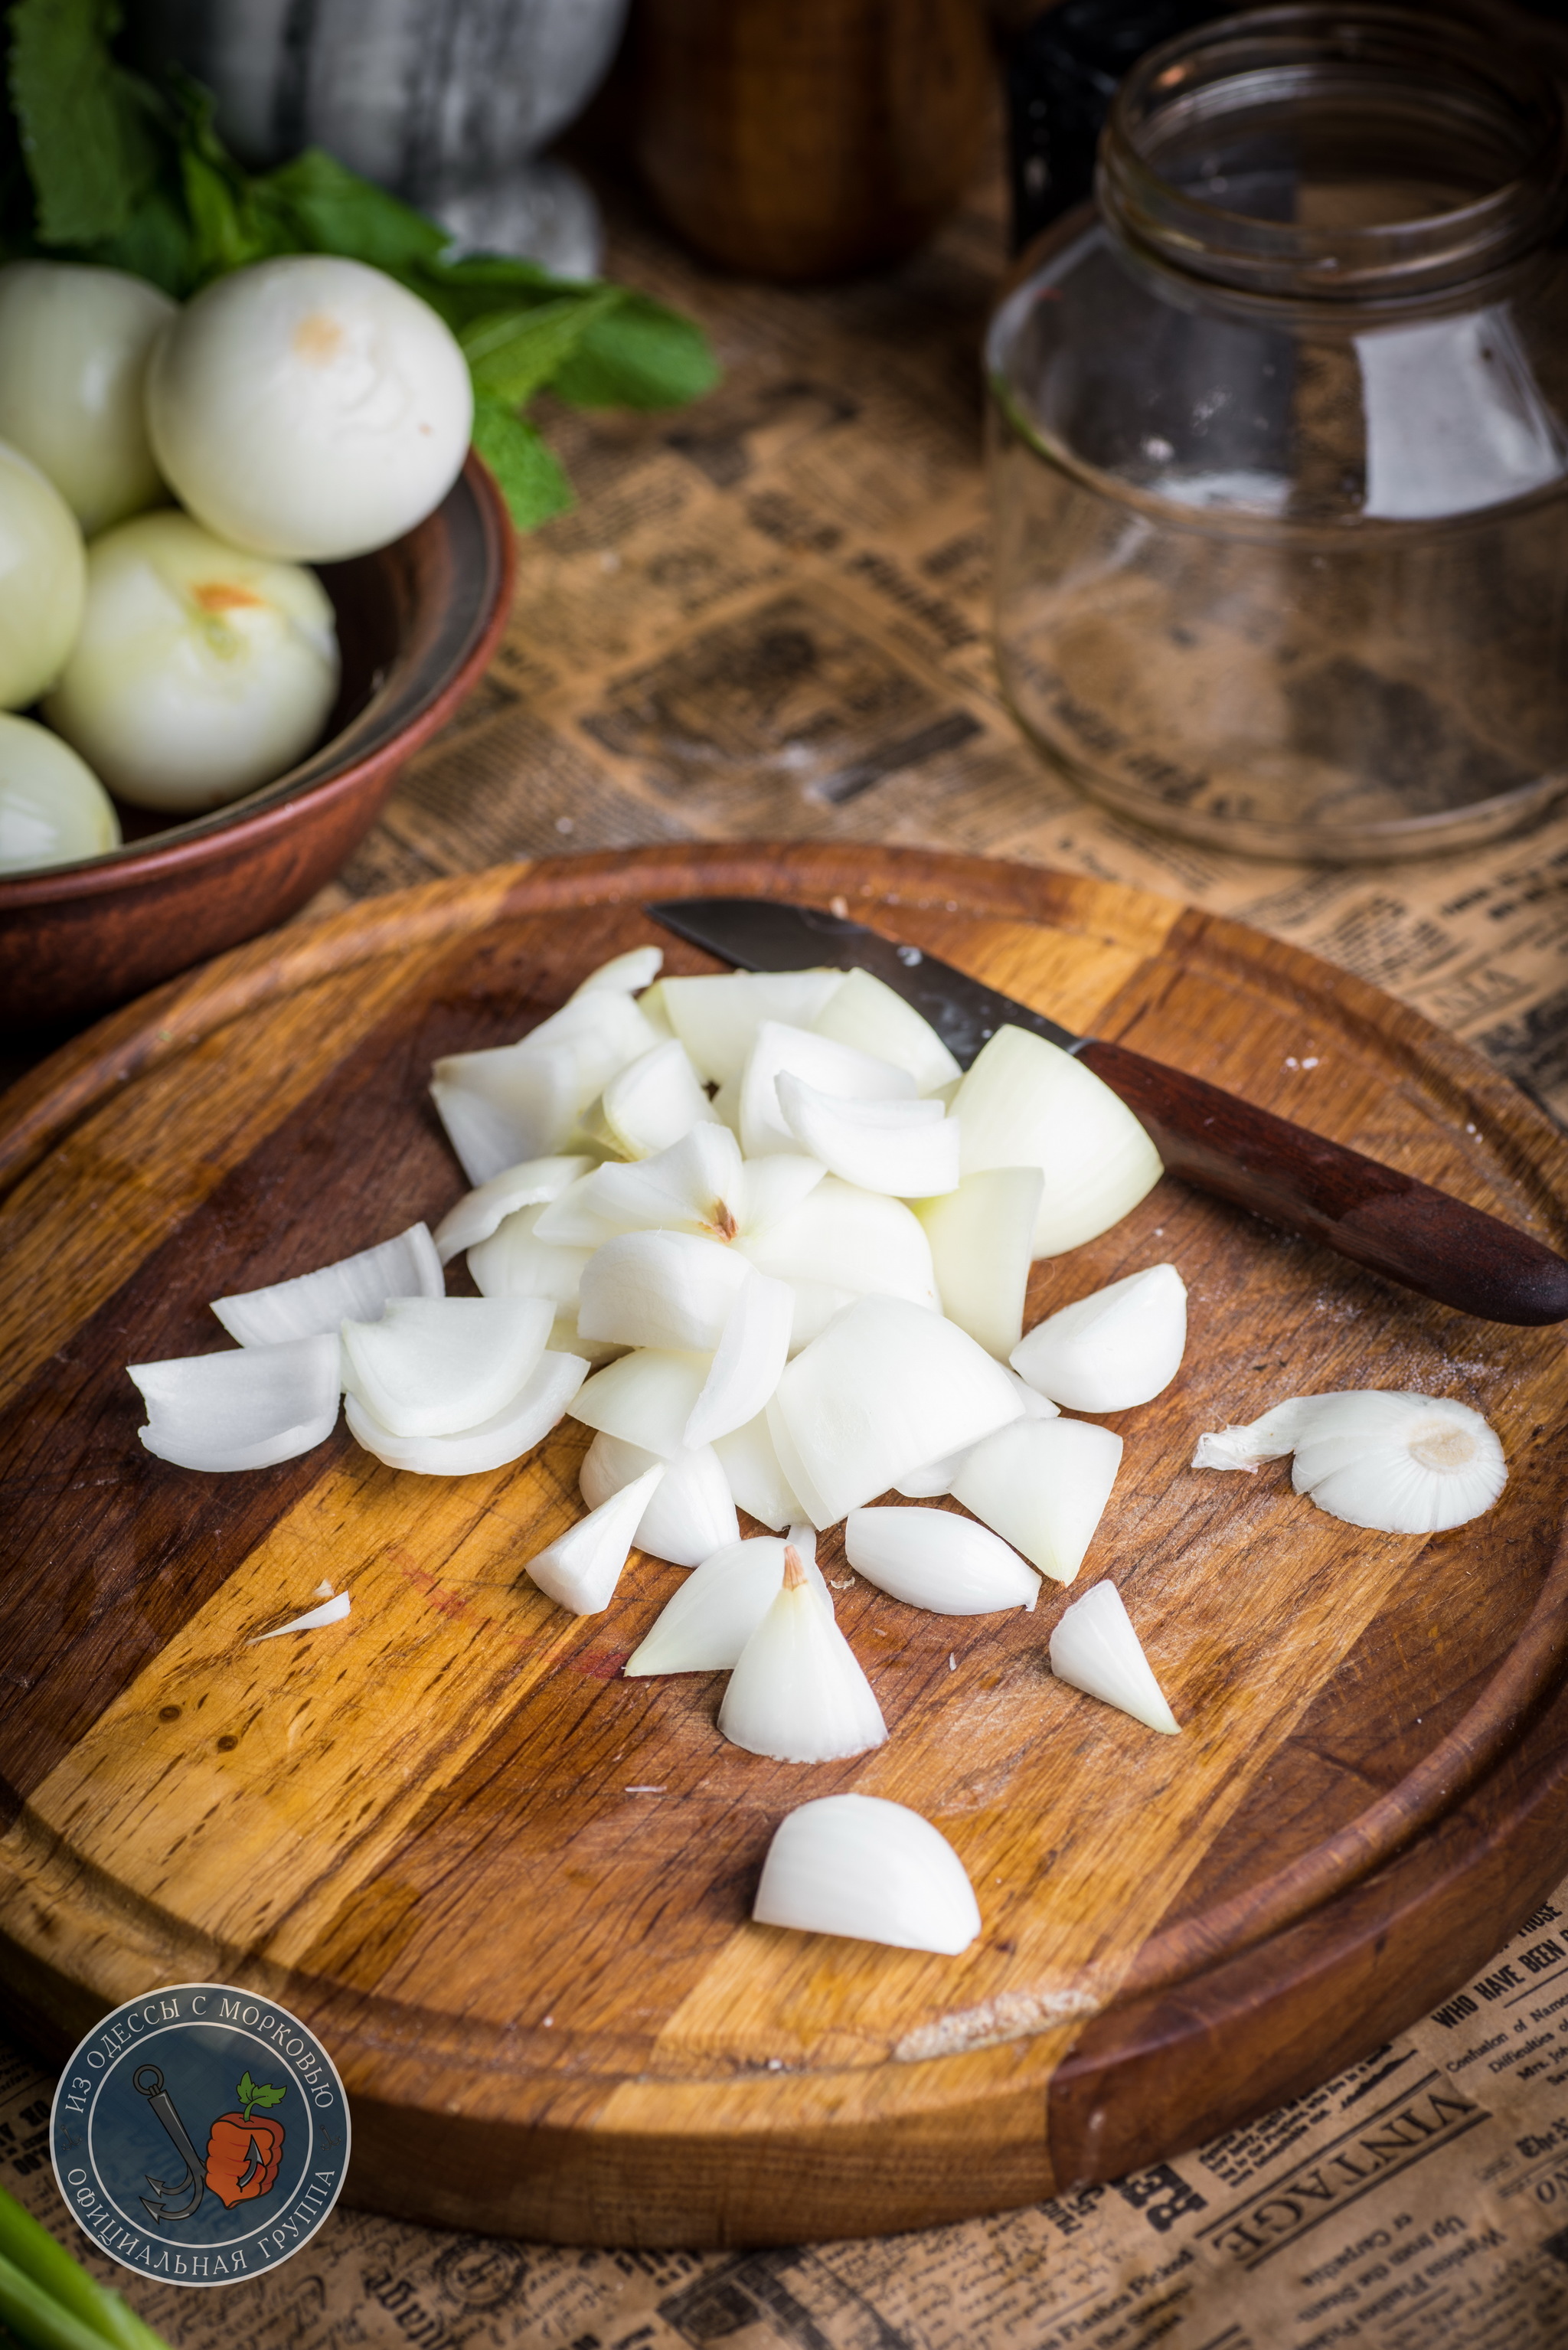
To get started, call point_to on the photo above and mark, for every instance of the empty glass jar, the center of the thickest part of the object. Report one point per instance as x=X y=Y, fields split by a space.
x=1279 y=443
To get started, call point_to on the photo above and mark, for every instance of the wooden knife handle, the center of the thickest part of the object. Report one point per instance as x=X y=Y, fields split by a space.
x=1392 y=1224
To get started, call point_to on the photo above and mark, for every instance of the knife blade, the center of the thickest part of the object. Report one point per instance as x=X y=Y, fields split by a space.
x=1383 y=1220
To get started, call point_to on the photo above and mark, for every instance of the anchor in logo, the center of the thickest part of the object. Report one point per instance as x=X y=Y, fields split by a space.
x=242 y=2151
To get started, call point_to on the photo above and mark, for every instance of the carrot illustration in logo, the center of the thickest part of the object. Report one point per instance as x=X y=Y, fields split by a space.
x=242 y=2151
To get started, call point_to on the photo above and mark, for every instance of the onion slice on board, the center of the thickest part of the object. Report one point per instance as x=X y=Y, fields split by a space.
x=907 y=1149
x=1043 y=1485
x=1121 y=1347
x=983 y=1243
x=645 y=1399
x=1026 y=1103
x=653 y=1101
x=706 y=1625
x=515 y=1262
x=937 y=1560
x=868 y=1869
x=514 y=1429
x=439 y=1365
x=866 y=1013
x=1095 y=1648
x=482 y=1212
x=757 y=1482
x=797 y=1692
x=580 y=1569
x=886 y=1386
x=244 y=1409
x=690 y=1514
x=669 y=1290
x=833 y=1069
x=355 y=1289
x=748 y=1362
x=717 y=1018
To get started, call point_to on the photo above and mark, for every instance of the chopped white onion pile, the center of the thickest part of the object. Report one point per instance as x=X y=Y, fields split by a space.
x=247 y=1409
x=1119 y=1348
x=1402 y=1464
x=1095 y=1648
x=875 y=1871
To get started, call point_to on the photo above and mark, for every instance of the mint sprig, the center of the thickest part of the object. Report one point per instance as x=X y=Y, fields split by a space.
x=98 y=165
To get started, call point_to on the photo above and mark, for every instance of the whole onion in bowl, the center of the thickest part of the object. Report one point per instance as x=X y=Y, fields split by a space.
x=309 y=408
x=53 y=809
x=74 y=348
x=200 y=671
x=42 y=580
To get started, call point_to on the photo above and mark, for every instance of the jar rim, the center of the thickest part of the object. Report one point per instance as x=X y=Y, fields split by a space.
x=1437 y=76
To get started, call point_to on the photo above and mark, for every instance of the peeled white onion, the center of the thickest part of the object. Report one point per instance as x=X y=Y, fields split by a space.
x=1095 y=1648
x=886 y=1386
x=355 y=1289
x=874 y=1871
x=1122 y=1346
x=43 y=582
x=309 y=406
x=74 y=347
x=440 y=1365
x=247 y=1409
x=53 y=809
x=199 y=672
x=1026 y=1103
x=1043 y=1485
x=934 y=1559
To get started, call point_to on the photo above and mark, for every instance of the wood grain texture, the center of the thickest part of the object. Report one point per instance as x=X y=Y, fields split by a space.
x=510 y=1888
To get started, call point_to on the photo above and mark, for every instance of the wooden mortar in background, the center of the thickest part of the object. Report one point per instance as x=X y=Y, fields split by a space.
x=810 y=139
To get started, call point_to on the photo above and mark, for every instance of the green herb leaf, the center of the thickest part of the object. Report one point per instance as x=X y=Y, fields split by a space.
x=333 y=210
x=639 y=355
x=246 y=2091
x=530 y=479
x=515 y=353
x=87 y=127
x=268 y=2096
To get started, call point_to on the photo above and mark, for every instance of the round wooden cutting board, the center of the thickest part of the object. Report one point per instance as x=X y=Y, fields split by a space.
x=509 y=1888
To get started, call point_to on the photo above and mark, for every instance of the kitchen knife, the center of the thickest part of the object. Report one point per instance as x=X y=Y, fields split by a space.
x=1390 y=1222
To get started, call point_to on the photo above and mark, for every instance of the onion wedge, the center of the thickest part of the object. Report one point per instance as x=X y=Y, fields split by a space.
x=717 y=1018
x=513 y=1431
x=645 y=1399
x=1043 y=1485
x=514 y=1102
x=886 y=1386
x=244 y=1409
x=357 y=1288
x=934 y=1559
x=515 y=1262
x=936 y=1478
x=873 y=1871
x=690 y=1514
x=629 y=972
x=439 y=1367
x=1108 y=1352
x=982 y=1243
x=581 y=1568
x=757 y=1482
x=1095 y=1648
x=706 y=1625
x=796 y=1692
x=653 y=1101
x=833 y=1069
x=749 y=1360
x=661 y=1289
x=839 y=1244
x=482 y=1212
x=907 y=1149
x=1026 y=1103
x=866 y=1013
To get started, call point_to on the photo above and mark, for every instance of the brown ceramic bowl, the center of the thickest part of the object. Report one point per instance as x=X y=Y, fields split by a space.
x=417 y=622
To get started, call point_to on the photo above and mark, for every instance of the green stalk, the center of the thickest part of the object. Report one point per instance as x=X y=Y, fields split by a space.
x=33 y=2261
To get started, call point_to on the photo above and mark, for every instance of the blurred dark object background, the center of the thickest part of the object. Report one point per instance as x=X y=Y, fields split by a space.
x=1062 y=65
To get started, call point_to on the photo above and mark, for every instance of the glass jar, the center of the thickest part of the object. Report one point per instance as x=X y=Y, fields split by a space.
x=1279 y=452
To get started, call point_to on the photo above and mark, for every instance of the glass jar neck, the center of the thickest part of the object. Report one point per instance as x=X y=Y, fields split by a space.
x=1334 y=154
